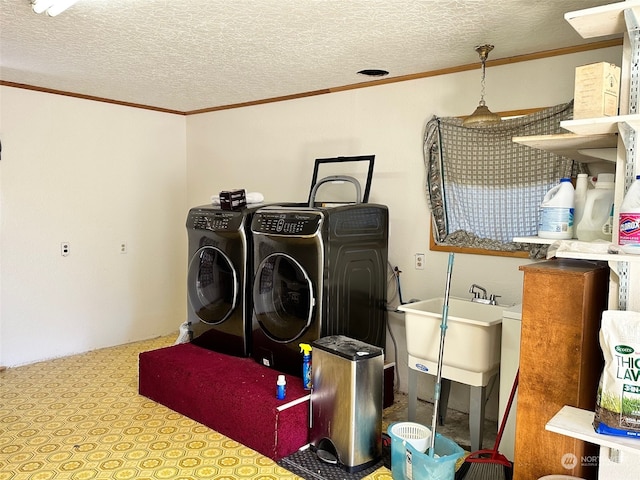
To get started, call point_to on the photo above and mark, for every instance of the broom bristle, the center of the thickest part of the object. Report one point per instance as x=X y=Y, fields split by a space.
x=483 y=471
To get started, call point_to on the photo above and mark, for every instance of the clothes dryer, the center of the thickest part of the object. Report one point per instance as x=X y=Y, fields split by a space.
x=319 y=271
x=219 y=278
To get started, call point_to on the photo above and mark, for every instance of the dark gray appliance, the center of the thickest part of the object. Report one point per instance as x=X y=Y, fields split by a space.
x=219 y=278
x=346 y=402
x=319 y=271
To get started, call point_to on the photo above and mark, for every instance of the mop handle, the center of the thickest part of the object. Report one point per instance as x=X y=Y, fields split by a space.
x=443 y=329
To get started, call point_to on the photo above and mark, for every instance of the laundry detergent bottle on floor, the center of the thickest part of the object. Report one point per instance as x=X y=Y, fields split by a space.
x=629 y=233
x=556 y=212
x=597 y=209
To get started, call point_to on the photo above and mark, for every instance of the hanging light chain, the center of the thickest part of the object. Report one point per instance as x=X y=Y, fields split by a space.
x=483 y=51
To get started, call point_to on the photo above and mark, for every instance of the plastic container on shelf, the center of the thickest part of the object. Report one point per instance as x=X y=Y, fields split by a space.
x=594 y=224
x=556 y=212
x=580 y=197
x=629 y=232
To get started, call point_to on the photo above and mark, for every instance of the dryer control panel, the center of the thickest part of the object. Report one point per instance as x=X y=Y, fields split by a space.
x=287 y=223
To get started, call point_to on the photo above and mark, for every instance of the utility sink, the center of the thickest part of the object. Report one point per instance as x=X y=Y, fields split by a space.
x=471 y=353
x=472 y=340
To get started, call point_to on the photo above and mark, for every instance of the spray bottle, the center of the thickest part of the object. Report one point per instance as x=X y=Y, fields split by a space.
x=306 y=365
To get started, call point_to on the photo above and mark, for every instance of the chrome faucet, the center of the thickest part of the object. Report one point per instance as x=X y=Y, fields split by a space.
x=480 y=295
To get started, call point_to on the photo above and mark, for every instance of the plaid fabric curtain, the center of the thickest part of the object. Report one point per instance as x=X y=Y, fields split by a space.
x=483 y=188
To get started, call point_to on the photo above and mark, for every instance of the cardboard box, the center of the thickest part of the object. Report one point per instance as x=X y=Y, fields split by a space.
x=597 y=89
x=233 y=199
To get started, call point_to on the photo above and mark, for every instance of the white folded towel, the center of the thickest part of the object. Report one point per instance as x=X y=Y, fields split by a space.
x=251 y=198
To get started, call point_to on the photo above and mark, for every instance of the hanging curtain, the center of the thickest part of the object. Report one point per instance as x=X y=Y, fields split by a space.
x=483 y=188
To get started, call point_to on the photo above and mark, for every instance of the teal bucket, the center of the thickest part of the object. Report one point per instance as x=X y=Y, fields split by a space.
x=409 y=463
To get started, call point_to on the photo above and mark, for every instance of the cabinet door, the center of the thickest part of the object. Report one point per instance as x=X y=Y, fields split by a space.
x=560 y=364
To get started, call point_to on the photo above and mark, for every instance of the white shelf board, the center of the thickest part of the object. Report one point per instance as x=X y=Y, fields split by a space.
x=582 y=148
x=536 y=240
x=601 y=125
x=600 y=21
x=578 y=423
x=598 y=154
x=607 y=257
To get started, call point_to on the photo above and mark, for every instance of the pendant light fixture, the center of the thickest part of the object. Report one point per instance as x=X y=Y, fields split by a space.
x=482 y=115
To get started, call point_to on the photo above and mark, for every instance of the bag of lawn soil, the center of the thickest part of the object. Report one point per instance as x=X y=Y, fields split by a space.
x=618 y=400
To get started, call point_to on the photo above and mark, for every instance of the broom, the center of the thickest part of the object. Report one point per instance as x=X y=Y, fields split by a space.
x=490 y=464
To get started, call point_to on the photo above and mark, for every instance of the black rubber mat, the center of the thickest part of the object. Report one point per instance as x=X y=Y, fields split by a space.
x=306 y=464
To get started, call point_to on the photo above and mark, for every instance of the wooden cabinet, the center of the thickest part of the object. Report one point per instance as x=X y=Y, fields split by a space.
x=560 y=363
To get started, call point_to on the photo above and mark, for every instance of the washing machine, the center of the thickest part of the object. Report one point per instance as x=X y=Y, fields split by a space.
x=319 y=271
x=219 y=278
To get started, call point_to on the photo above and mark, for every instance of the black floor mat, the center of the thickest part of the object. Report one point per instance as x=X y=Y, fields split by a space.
x=306 y=464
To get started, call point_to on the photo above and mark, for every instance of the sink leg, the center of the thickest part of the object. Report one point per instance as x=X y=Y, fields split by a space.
x=476 y=416
x=413 y=393
x=445 y=389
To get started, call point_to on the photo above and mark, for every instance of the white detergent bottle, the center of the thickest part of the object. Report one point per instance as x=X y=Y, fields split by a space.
x=629 y=233
x=580 y=197
x=556 y=212
x=597 y=209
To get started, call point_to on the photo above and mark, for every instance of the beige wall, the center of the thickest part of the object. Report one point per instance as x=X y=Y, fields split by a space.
x=94 y=175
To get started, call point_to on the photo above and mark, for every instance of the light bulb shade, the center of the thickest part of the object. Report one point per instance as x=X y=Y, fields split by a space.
x=481 y=116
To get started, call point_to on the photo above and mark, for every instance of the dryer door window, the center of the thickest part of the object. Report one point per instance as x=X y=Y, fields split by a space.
x=283 y=298
x=212 y=285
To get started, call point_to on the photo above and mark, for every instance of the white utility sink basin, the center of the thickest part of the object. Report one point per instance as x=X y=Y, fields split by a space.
x=472 y=340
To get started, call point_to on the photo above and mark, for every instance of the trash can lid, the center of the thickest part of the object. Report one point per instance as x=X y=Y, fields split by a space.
x=346 y=347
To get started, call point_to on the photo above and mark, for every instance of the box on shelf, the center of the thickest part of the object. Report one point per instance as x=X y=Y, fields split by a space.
x=597 y=89
x=233 y=199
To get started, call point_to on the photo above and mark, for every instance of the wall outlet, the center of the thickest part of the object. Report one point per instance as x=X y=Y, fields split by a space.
x=419 y=261
x=64 y=249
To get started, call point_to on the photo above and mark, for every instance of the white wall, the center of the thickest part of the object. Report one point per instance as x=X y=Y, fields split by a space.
x=94 y=175
x=271 y=148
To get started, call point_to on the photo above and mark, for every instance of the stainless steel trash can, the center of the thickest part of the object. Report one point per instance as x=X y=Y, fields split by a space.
x=346 y=402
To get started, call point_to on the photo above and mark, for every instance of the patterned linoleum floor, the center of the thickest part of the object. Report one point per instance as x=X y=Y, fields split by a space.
x=80 y=418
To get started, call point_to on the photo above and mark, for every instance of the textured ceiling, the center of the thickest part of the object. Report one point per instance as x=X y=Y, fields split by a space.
x=187 y=55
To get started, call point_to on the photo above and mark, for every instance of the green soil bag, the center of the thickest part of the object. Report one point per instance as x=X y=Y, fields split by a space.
x=618 y=401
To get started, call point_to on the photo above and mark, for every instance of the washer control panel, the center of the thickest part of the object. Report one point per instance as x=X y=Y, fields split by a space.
x=281 y=222
x=218 y=221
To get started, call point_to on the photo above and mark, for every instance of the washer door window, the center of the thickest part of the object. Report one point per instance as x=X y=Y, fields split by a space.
x=283 y=298
x=212 y=285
